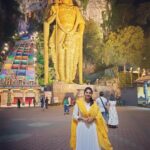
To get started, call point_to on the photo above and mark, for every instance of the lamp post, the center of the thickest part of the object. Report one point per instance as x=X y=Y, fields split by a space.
x=131 y=77
x=138 y=69
x=145 y=88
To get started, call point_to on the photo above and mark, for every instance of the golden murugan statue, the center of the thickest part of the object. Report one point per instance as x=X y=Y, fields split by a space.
x=64 y=40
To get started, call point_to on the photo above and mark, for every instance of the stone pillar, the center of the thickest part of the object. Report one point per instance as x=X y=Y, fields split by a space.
x=37 y=96
x=24 y=96
x=12 y=96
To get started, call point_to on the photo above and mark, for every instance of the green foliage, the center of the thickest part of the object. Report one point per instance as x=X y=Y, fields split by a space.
x=92 y=47
x=84 y=3
x=126 y=13
x=40 y=73
x=40 y=64
x=40 y=58
x=124 y=46
x=125 y=79
x=145 y=63
x=51 y=75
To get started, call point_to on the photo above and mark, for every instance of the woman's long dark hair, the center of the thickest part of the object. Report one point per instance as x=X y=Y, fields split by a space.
x=112 y=97
x=91 y=99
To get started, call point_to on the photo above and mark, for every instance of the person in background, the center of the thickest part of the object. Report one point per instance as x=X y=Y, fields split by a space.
x=145 y=91
x=29 y=102
x=102 y=103
x=18 y=103
x=69 y=101
x=46 y=103
x=113 y=116
x=34 y=102
x=42 y=102
x=66 y=105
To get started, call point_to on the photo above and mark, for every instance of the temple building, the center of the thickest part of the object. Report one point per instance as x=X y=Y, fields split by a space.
x=17 y=77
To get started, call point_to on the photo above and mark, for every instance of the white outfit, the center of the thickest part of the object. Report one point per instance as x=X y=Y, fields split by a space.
x=86 y=133
x=113 y=116
x=69 y=100
x=100 y=104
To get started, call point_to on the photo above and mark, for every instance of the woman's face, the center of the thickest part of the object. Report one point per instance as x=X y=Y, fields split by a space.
x=88 y=94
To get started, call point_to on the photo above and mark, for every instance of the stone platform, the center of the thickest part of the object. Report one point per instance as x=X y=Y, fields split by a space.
x=61 y=89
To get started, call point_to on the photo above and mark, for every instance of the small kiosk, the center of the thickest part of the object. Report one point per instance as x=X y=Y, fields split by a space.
x=143 y=90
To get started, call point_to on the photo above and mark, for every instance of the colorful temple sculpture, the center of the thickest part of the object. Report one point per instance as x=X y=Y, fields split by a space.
x=17 y=77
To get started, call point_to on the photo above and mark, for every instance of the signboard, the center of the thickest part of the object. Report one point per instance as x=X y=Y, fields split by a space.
x=141 y=96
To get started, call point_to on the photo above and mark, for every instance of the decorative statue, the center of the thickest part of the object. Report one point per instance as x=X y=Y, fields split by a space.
x=63 y=41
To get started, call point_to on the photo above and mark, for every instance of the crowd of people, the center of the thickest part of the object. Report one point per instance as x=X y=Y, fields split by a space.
x=44 y=103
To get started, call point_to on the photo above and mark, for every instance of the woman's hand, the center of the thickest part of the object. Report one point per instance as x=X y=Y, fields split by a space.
x=90 y=119
x=86 y=120
x=83 y=119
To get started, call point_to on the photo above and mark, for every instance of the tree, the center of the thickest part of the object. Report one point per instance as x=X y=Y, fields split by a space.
x=40 y=73
x=84 y=3
x=40 y=64
x=124 y=46
x=145 y=63
x=92 y=44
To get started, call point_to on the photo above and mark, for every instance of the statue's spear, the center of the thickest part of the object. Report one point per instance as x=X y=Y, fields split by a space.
x=56 y=39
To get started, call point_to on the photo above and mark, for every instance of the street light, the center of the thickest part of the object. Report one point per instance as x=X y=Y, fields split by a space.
x=131 y=69
x=138 y=69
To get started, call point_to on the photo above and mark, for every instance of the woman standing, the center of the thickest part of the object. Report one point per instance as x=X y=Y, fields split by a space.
x=88 y=129
x=113 y=116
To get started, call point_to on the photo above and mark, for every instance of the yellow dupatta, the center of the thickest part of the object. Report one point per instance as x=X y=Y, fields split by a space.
x=102 y=131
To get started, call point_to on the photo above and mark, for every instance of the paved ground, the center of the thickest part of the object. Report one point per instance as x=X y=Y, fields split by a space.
x=34 y=129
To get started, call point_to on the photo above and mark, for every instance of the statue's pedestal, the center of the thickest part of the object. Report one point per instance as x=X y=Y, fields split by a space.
x=61 y=89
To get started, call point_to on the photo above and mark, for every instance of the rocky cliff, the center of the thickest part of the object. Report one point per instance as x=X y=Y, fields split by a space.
x=97 y=10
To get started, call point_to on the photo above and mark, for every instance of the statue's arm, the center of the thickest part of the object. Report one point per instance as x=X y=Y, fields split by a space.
x=47 y=22
x=81 y=25
x=52 y=16
x=81 y=28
